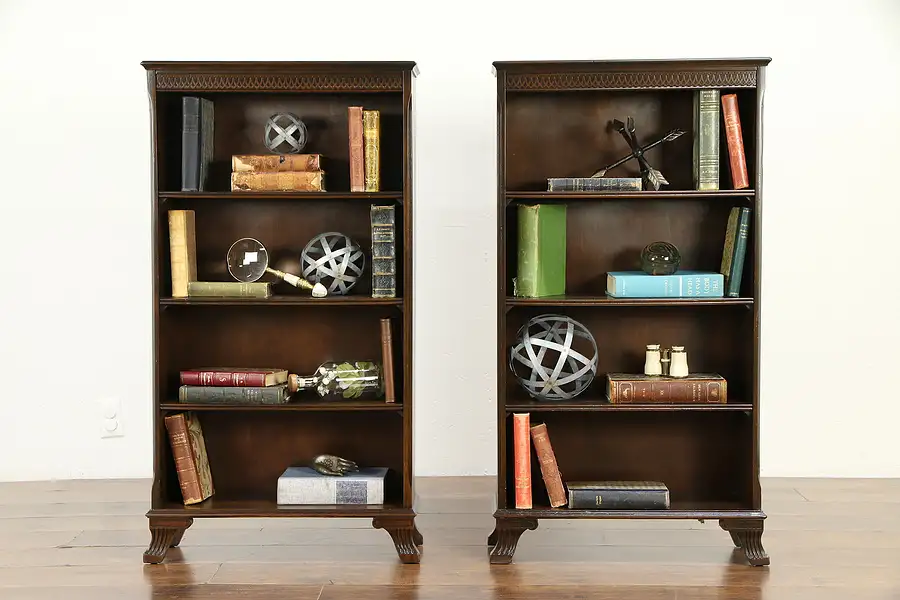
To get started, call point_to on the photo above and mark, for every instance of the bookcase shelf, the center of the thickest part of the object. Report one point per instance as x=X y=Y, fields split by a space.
x=553 y=121
x=249 y=446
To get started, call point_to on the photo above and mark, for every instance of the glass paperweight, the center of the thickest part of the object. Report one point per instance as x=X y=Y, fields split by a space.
x=345 y=380
x=660 y=258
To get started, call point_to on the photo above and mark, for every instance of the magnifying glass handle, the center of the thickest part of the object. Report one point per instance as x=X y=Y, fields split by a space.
x=318 y=289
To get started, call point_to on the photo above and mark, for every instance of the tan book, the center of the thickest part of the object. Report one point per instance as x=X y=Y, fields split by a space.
x=271 y=163
x=229 y=289
x=288 y=181
x=357 y=165
x=182 y=251
x=549 y=468
x=372 y=138
x=191 y=461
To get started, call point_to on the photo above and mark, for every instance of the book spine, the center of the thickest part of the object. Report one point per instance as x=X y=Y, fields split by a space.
x=522 y=459
x=271 y=163
x=182 y=251
x=185 y=466
x=286 y=181
x=706 y=285
x=223 y=378
x=706 y=156
x=387 y=360
x=593 y=184
x=229 y=289
x=372 y=158
x=541 y=256
x=665 y=391
x=207 y=146
x=736 y=270
x=735 y=141
x=384 y=248
x=190 y=144
x=357 y=145
x=606 y=499
x=728 y=247
x=202 y=394
x=549 y=467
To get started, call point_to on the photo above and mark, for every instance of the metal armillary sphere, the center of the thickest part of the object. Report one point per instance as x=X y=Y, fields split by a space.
x=285 y=133
x=334 y=260
x=554 y=357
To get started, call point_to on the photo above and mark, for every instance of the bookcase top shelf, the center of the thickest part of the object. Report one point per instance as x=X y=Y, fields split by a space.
x=308 y=405
x=236 y=196
x=642 y=195
x=573 y=300
x=285 y=301
x=602 y=405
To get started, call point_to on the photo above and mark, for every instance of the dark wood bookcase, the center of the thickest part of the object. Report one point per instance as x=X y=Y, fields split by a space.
x=553 y=121
x=249 y=446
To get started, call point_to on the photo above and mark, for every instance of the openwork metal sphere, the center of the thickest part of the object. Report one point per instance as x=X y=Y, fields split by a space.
x=334 y=260
x=660 y=258
x=554 y=357
x=285 y=133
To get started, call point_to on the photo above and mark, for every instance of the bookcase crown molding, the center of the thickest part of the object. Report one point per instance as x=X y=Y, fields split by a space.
x=307 y=82
x=730 y=78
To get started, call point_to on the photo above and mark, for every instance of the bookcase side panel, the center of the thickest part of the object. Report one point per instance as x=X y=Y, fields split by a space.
x=406 y=231
x=503 y=466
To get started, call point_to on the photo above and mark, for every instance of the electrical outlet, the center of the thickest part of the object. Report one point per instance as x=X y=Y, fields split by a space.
x=110 y=418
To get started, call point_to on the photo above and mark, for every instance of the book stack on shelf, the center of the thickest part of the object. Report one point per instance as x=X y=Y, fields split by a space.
x=280 y=375
x=623 y=251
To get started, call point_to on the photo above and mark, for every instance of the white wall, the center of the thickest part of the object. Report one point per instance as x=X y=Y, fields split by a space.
x=74 y=159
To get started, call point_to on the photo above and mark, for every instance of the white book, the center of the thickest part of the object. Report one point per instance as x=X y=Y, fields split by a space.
x=304 y=485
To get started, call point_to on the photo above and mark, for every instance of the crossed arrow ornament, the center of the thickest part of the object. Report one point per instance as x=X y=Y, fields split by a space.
x=652 y=177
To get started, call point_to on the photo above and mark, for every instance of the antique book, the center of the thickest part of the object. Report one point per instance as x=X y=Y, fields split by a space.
x=387 y=360
x=272 y=163
x=357 y=145
x=594 y=184
x=384 y=248
x=541 y=256
x=706 y=139
x=549 y=469
x=182 y=251
x=682 y=284
x=191 y=462
x=618 y=495
x=372 y=152
x=522 y=458
x=735 y=140
x=734 y=252
x=233 y=376
x=229 y=289
x=637 y=388
x=283 y=181
x=206 y=394
x=197 y=134
x=304 y=485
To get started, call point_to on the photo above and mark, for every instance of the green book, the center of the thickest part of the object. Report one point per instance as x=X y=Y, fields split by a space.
x=541 y=268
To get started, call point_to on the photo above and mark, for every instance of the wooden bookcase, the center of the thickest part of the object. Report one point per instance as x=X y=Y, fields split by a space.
x=553 y=122
x=249 y=446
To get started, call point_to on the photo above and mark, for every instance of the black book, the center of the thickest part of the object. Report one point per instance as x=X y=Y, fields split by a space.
x=196 y=143
x=618 y=495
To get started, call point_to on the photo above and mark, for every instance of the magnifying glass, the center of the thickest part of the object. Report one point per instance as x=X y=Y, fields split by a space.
x=248 y=261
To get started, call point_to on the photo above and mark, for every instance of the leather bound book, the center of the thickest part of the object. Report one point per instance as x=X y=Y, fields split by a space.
x=229 y=289
x=182 y=251
x=706 y=139
x=618 y=495
x=522 y=458
x=271 y=163
x=549 y=468
x=637 y=388
x=281 y=181
x=357 y=164
x=387 y=360
x=191 y=462
x=382 y=221
x=735 y=139
x=372 y=157
x=214 y=394
x=197 y=125
x=233 y=376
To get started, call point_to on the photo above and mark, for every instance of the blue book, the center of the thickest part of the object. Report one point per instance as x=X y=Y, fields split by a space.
x=683 y=284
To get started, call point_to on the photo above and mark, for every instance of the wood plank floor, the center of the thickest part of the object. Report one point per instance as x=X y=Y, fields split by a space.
x=76 y=540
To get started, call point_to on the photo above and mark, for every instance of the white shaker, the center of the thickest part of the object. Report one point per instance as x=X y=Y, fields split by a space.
x=652 y=365
x=679 y=367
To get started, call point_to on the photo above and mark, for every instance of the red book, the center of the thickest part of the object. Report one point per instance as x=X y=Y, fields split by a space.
x=549 y=468
x=735 y=139
x=522 y=458
x=234 y=377
x=357 y=146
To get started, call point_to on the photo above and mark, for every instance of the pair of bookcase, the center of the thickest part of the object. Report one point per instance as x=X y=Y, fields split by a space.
x=552 y=121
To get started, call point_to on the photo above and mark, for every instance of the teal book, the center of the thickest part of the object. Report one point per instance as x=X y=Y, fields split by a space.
x=734 y=253
x=541 y=258
x=683 y=284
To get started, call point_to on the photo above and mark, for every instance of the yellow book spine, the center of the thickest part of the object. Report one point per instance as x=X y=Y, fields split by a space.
x=182 y=251
x=372 y=138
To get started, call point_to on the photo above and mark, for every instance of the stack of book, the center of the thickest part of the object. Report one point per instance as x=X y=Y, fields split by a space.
x=277 y=173
x=233 y=385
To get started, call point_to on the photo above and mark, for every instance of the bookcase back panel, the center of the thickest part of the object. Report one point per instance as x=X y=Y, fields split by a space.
x=711 y=336
x=298 y=339
x=240 y=120
x=609 y=235
x=569 y=134
x=701 y=456
x=249 y=451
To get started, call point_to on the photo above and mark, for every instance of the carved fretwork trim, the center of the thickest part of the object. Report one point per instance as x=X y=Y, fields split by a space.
x=630 y=80
x=297 y=82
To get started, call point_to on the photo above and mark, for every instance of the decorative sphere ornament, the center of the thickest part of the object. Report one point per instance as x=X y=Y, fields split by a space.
x=285 y=133
x=554 y=357
x=660 y=258
x=334 y=260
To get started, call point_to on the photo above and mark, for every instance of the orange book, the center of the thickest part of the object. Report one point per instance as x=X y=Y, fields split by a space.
x=549 y=468
x=734 y=138
x=522 y=458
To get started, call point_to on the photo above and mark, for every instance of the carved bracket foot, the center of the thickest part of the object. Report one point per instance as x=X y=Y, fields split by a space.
x=405 y=535
x=747 y=535
x=506 y=536
x=164 y=534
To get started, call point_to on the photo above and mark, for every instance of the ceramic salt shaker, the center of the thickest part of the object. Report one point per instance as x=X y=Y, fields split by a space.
x=652 y=365
x=679 y=365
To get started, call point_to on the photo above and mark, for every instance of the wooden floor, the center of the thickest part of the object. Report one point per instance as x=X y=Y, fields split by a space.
x=73 y=540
